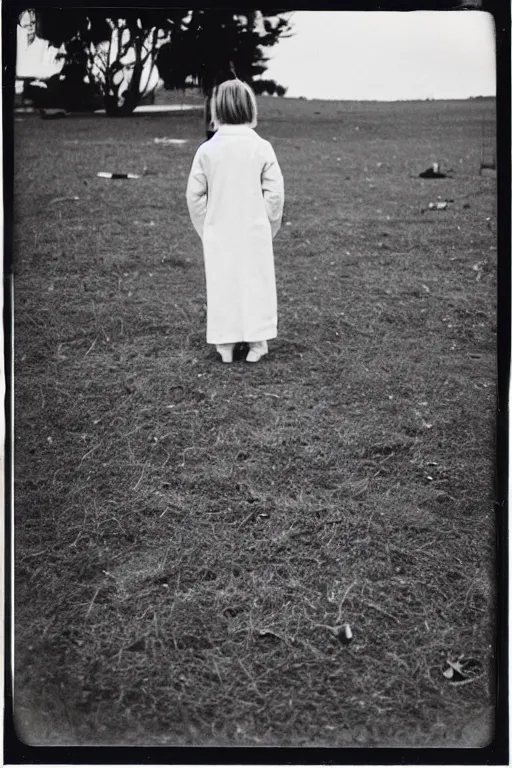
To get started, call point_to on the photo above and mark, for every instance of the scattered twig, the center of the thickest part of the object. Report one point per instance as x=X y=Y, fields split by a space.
x=88 y=454
x=217 y=671
x=91 y=347
x=338 y=618
x=33 y=554
x=381 y=610
x=330 y=521
x=246 y=519
x=251 y=678
x=141 y=476
x=163 y=562
x=92 y=601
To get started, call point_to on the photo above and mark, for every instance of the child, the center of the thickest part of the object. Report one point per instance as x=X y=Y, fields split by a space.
x=235 y=197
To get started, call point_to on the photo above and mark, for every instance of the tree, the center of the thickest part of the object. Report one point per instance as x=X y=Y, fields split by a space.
x=114 y=48
x=214 y=45
x=122 y=50
x=268 y=86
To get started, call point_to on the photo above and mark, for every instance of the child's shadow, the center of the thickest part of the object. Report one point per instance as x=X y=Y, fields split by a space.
x=240 y=351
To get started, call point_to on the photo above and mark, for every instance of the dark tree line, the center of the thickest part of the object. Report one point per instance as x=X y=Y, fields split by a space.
x=116 y=49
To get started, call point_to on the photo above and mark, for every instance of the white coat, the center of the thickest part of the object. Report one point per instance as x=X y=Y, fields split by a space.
x=235 y=197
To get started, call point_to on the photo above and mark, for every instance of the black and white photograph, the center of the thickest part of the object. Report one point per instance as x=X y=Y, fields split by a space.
x=255 y=275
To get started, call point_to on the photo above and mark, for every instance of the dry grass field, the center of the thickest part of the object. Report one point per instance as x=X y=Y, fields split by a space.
x=190 y=535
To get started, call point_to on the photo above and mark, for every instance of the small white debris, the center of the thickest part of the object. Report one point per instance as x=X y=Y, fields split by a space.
x=106 y=175
x=167 y=140
x=438 y=206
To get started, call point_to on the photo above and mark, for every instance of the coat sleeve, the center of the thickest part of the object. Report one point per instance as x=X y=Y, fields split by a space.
x=272 y=186
x=197 y=193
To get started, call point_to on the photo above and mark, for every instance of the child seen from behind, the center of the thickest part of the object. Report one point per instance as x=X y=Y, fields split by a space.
x=235 y=197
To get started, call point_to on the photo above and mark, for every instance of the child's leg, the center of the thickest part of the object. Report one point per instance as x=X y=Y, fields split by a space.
x=256 y=351
x=226 y=352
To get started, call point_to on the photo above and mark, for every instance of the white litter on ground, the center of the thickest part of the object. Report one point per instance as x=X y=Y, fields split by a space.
x=167 y=140
x=105 y=175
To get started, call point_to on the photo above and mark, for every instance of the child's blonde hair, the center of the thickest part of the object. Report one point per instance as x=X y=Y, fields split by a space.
x=234 y=103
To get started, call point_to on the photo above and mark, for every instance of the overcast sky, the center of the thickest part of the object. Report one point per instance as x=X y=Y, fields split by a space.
x=387 y=56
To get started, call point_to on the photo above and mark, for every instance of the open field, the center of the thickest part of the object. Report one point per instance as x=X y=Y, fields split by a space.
x=188 y=534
